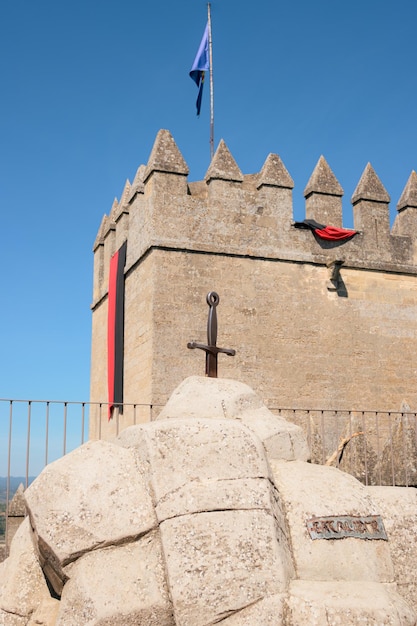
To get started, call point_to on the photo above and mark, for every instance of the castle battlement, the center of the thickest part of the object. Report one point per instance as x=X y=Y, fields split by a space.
x=252 y=215
x=316 y=324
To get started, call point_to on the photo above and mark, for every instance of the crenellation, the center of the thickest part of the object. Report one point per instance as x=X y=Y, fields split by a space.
x=408 y=197
x=112 y=214
x=370 y=188
x=137 y=185
x=223 y=166
x=406 y=220
x=198 y=189
x=98 y=249
x=274 y=174
x=123 y=205
x=323 y=195
x=99 y=241
x=252 y=214
x=109 y=246
x=165 y=157
x=370 y=202
x=121 y=216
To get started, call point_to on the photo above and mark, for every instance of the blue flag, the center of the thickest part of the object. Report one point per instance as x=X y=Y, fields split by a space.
x=200 y=66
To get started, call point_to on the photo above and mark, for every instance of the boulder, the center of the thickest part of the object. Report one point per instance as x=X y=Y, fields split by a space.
x=118 y=586
x=92 y=497
x=218 y=513
x=398 y=505
x=315 y=603
x=23 y=587
x=221 y=398
x=311 y=491
x=199 y=518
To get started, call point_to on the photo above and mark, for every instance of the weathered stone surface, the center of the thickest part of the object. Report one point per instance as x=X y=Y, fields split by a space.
x=121 y=586
x=99 y=241
x=274 y=174
x=137 y=185
x=22 y=585
x=311 y=491
x=346 y=603
x=181 y=451
x=266 y=612
x=217 y=495
x=17 y=512
x=223 y=166
x=10 y=619
x=323 y=180
x=221 y=398
x=221 y=562
x=17 y=505
x=94 y=496
x=165 y=156
x=370 y=187
x=191 y=521
x=46 y=614
x=220 y=517
x=398 y=505
x=409 y=195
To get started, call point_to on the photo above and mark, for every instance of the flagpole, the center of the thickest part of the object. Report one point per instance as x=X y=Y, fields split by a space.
x=211 y=82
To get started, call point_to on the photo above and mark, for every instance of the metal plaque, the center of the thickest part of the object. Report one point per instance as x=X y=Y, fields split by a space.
x=340 y=526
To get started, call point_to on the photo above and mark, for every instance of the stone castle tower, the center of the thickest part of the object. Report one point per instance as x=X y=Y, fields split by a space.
x=315 y=324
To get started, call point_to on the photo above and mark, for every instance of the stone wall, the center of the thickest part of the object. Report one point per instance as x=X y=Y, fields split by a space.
x=302 y=340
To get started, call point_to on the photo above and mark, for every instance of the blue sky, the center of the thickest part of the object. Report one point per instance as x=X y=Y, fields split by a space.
x=86 y=85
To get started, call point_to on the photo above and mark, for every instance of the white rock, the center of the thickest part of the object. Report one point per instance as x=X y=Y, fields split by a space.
x=265 y=612
x=94 y=496
x=23 y=586
x=315 y=603
x=118 y=586
x=46 y=614
x=221 y=398
x=398 y=505
x=182 y=451
x=10 y=619
x=309 y=491
x=221 y=562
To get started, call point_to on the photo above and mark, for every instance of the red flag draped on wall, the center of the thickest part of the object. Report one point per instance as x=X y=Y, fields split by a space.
x=115 y=329
x=330 y=233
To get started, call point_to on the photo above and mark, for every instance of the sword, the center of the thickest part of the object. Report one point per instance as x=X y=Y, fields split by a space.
x=211 y=348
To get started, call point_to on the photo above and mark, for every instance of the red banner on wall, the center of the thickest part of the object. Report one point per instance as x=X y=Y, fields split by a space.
x=115 y=329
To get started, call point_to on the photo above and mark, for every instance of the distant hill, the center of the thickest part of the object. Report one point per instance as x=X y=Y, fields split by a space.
x=14 y=484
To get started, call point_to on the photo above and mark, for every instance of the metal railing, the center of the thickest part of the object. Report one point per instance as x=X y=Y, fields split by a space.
x=377 y=448
x=33 y=433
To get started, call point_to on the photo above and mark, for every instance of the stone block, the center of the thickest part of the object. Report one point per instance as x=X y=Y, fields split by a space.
x=346 y=604
x=92 y=497
x=221 y=562
x=398 y=505
x=220 y=398
x=118 y=586
x=265 y=612
x=46 y=614
x=22 y=586
x=183 y=450
x=10 y=619
x=217 y=495
x=309 y=491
